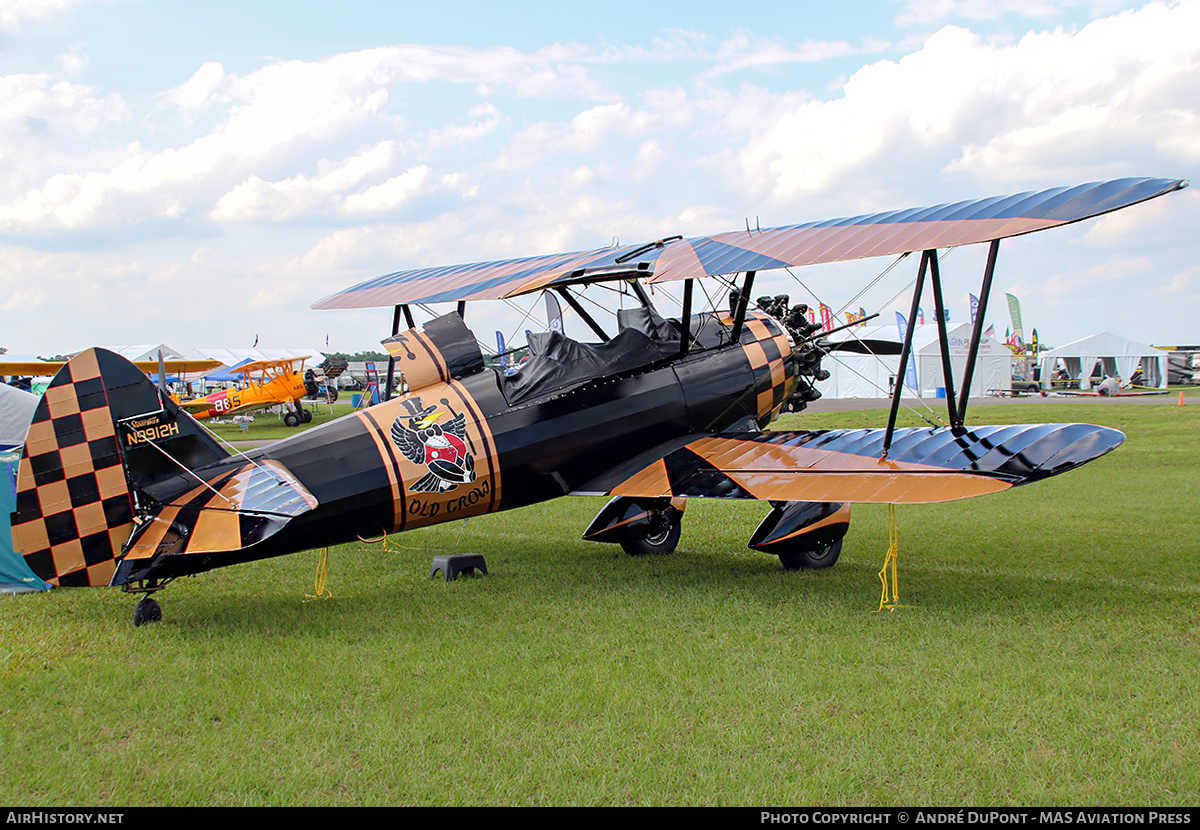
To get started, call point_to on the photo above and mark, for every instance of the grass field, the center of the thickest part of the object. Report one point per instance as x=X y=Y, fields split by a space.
x=1049 y=658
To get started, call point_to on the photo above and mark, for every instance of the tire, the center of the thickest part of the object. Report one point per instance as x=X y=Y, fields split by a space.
x=659 y=535
x=824 y=556
x=291 y=420
x=305 y=416
x=147 y=610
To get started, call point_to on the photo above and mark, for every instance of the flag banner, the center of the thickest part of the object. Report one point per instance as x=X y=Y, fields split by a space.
x=910 y=371
x=826 y=317
x=1014 y=311
x=974 y=307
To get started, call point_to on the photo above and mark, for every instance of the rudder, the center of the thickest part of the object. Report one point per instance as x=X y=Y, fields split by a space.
x=85 y=453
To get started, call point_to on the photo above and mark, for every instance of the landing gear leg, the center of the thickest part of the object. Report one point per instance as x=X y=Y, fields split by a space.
x=147 y=610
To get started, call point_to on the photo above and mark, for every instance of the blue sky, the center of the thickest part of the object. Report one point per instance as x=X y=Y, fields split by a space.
x=198 y=174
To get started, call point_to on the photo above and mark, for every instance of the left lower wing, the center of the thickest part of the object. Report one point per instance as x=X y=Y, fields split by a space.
x=922 y=465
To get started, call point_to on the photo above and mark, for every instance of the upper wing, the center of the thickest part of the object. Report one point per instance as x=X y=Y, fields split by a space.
x=47 y=368
x=260 y=365
x=857 y=237
x=923 y=465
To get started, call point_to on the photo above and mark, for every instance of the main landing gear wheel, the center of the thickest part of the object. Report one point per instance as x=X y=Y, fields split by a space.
x=291 y=419
x=147 y=610
x=816 y=558
x=658 y=534
x=305 y=416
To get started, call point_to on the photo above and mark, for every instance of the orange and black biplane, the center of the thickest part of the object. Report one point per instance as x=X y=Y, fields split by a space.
x=263 y=383
x=120 y=486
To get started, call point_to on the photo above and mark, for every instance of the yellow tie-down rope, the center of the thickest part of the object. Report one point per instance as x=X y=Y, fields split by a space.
x=321 y=592
x=889 y=597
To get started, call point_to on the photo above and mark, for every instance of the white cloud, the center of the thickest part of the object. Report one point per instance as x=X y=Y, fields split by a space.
x=205 y=88
x=1054 y=108
x=16 y=15
x=487 y=120
x=394 y=194
x=257 y=200
x=921 y=12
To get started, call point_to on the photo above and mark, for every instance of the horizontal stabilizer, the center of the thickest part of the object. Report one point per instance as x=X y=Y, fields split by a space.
x=922 y=466
x=231 y=507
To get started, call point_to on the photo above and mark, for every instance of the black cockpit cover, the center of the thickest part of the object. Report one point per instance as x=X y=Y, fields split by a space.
x=560 y=363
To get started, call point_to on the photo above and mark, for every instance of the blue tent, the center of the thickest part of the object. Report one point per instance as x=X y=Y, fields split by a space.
x=15 y=576
x=229 y=375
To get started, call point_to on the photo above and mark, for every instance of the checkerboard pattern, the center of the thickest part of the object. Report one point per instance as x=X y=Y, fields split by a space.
x=74 y=509
x=767 y=349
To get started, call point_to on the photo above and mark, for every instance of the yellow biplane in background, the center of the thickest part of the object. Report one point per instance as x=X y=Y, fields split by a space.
x=264 y=383
x=49 y=368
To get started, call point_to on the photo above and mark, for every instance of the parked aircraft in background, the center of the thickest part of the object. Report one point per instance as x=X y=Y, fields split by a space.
x=264 y=383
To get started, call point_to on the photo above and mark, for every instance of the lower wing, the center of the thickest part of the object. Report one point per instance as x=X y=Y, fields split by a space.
x=921 y=466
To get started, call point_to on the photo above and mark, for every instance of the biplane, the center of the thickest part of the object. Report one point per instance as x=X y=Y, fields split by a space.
x=119 y=486
x=263 y=384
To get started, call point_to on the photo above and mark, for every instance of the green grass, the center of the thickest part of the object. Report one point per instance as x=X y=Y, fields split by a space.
x=268 y=426
x=1050 y=657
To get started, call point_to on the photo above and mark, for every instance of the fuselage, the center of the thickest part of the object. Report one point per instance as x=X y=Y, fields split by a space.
x=465 y=440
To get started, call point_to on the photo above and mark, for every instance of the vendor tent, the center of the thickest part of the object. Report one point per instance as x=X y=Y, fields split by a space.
x=1105 y=355
x=16 y=413
x=870 y=371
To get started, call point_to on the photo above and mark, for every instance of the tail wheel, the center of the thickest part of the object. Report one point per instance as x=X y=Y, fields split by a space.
x=815 y=558
x=657 y=534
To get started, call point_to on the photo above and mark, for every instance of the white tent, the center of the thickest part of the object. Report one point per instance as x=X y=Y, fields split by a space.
x=232 y=357
x=1117 y=357
x=16 y=413
x=873 y=375
x=145 y=351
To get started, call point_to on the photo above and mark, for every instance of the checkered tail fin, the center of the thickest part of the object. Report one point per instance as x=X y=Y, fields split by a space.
x=101 y=434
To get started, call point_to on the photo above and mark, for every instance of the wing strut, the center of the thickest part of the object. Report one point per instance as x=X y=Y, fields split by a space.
x=578 y=309
x=977 y=331
x=391 y=373
x=957 y=413
x=939 y=309
x=686 y=318
x=739 y=312
x=904 y=357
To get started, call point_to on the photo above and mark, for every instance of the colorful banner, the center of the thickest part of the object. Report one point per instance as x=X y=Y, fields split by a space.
x=974 y=307
x=857 y=318
x=826 y=317
x=1014 y=311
